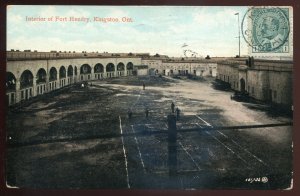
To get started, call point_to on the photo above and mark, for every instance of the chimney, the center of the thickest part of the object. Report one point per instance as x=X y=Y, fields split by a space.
x=250 y=61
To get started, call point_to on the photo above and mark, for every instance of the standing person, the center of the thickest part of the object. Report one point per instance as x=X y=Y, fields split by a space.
x=172 y=107
x=129 y=112
x=144 y=86
x=177 y=113
x=147 y=112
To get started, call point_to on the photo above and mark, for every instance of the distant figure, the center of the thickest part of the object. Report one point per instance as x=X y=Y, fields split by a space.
x=177 y=113
x=172 y=107
x=147 y=112
x=144 y=86
x=129 y=112
x=82 y=85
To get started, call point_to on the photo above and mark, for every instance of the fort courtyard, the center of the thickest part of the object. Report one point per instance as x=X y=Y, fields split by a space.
x=81 y=136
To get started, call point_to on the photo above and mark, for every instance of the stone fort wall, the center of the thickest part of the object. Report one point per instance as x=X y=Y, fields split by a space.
x=31 y=77
x=266 y=80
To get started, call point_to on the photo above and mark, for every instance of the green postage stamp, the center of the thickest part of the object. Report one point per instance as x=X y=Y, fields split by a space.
x=268 y=31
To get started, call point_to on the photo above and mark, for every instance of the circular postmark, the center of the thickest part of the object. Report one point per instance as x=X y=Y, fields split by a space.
x=264 y=179
x=266 y=29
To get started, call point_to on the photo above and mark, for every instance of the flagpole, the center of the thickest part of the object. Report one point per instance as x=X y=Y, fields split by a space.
x=238 y=14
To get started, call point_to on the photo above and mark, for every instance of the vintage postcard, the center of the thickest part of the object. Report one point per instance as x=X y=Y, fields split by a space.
x=149 y=97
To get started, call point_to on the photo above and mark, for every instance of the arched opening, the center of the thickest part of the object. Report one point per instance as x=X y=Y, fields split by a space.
x=52 y=78
x=53 y=74
x=62 y=72
x=40 y=81
x=10 y=82
x=98 y=68
x=70 y=71
x=10 y=88
x=85 y=69
x=120 y=69
x=62 y=76
x=110 y=70
x=70 y=74
x=242 y=85
x=26 y=79
x=41 y=76
x=129 y=68
x=110 y=67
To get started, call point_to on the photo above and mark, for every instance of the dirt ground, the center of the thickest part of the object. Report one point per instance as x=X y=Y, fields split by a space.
x=55 y=141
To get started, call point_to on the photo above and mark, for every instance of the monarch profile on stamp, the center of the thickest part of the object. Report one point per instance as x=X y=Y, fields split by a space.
x=271 y=37
x=267 y=29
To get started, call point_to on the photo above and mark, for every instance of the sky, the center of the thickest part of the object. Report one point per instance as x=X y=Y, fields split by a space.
x=151 y=29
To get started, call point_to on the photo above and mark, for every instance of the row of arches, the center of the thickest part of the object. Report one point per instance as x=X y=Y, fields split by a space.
x=99 y=68
x=26 y=79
